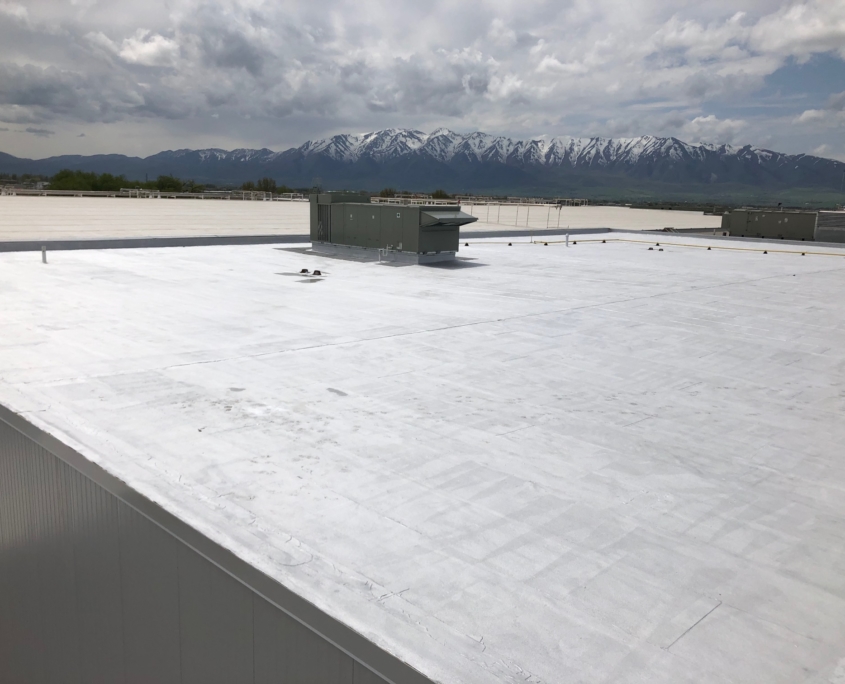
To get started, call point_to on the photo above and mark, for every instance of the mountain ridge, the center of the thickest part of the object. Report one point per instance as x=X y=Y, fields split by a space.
x=472 y=162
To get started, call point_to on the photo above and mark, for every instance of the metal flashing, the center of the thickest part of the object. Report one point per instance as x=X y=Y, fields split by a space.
x=328 y=628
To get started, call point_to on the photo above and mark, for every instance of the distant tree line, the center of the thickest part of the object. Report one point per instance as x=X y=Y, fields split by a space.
x=267 y=185
x=68 y=179
x=391 y=192
x=23 y=178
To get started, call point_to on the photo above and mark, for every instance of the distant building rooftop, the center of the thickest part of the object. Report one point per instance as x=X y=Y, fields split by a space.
x=56 y=218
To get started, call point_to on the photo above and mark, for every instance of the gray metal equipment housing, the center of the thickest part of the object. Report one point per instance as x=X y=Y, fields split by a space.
x=821 y=226
x=352 y=220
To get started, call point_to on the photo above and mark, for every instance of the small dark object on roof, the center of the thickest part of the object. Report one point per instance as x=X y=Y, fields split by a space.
x=708 y=249
x=319 y=273
x=650 y=249
x=603 y=241
x=466 y=244
x=546 y=244
x=765 y=252
x=803 y=254
x=660 y=250
x=510 y=244
x=575 y=243
x=304 y=270
x=657 y=244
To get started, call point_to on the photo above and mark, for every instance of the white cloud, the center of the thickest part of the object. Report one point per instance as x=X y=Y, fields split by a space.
x=833 y=113
x=582 y=66
x=101 y=41
x=811 y=115
x=13 y=9
x=801 y=29
x=711 y=129
x=550 y=63
x=149 y=49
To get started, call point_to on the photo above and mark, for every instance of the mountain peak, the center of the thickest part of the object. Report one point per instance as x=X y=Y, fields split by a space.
x=474 y=161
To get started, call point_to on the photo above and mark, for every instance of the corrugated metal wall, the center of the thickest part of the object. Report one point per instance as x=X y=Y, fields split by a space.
x=831 y=226
x=772 y=224
x=94 y=592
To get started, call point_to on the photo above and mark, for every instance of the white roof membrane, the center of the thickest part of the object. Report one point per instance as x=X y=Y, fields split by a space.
x=543 y=464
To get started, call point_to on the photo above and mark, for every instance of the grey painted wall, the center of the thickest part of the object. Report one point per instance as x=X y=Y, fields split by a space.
x=765 y=223
x=92 y=591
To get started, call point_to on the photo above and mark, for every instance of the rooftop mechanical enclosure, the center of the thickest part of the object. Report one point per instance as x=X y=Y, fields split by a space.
x=343 y=223
x=821 y=226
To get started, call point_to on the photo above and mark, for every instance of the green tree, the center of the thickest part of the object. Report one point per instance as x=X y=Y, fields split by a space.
x=388 y=192
x=109 y=183
x=190 y=186
x=168 y=184
x=249 y=185
x=66 y=179
x=266 y=185
x=440 y=194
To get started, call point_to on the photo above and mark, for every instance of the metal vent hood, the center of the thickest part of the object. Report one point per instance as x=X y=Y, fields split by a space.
x=444 y=216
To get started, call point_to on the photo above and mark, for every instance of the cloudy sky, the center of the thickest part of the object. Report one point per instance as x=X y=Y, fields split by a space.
x=93 y=76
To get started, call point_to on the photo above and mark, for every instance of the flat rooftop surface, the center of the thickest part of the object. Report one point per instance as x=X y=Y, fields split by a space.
x=541 y=217
x=540 y=464
x=58 y=218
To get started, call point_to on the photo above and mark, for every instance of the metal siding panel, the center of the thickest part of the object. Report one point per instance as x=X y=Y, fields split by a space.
x=373 y=226
x=216 y=621
x=58 y=586
x=150 y=591
x=830 y=226
x=411 y=229
x=357 y=235
x=97 y=568
x=324 y=223
x=391 y=226
x=348 y=223
x=779 y=224
x=313 y=216
x=25 y=664
x=107 y=561
x=287 y=652
x=5 y=587
x=439 y=240
x=338 y=222
x=27 y=549
x=348 y=213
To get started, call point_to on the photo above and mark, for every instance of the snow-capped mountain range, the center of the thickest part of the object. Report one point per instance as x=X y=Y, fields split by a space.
x=470 y=162
x=447 y=146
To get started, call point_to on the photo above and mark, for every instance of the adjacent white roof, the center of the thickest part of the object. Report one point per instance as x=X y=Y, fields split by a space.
x=57 y=218
x=597 y=464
